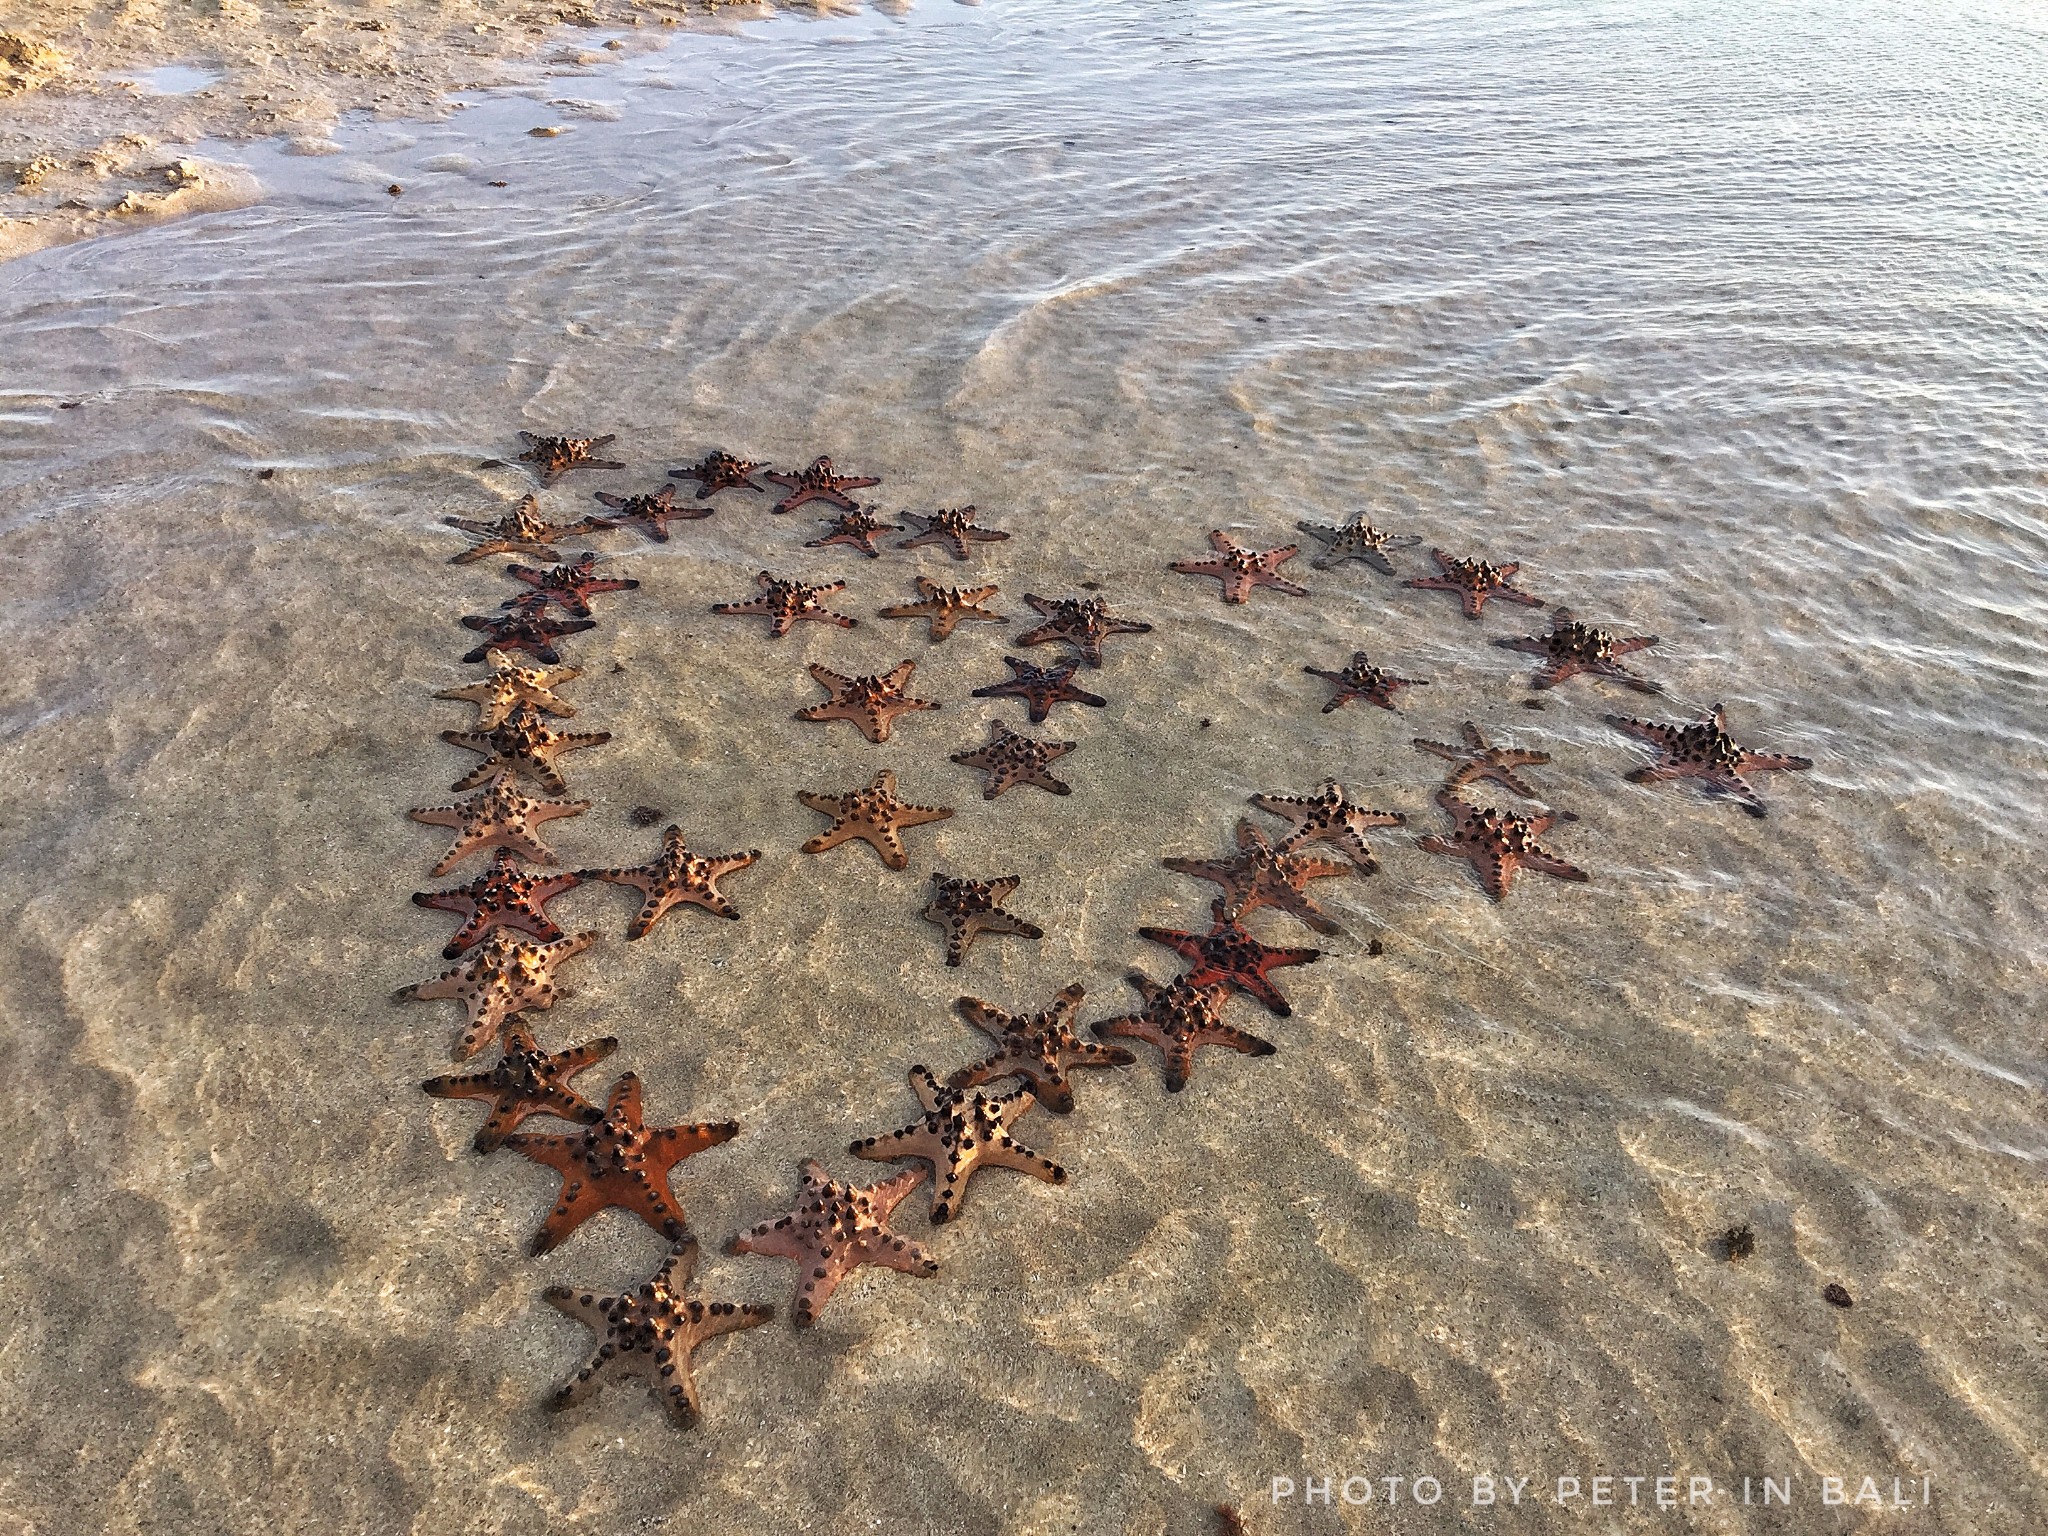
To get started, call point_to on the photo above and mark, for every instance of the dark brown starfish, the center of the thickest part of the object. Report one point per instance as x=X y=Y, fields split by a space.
x=1082 y=622
x=554 y=457
x=497 y=981
x=496 y=696
x=1497 y=843
x=1362 y=680
x=1571 y=648
x=570 y=587
x=523 y=629
x=953 y=527
x=1264 y=876
x=958 y=1135
x=719 y=471
x=819 y=483
x=1181 y=1017
x=618 y=1162
x=1041 y=687
x=872 y=703
x=522 y=531
x=965 y=909
x=873 y=815
x=857 y=528
x=1356 y=540
x=522 y=743
x=946 y=606
x=1241 y=570
x=497 y=816
x=503 y=896
x=1474 y=581
x=651 y=512
x=1702 y=749
x=1228 y=954
x=835 y=1229
x=782 y=603
x=1329 y=816
x=1009 y=759
x=1478 y=759
x=1038 y=1047
x=526 y=1080
x=673 y=877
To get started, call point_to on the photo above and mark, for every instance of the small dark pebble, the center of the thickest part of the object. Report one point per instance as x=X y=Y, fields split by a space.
x=395 y=190
x=492 y=464
x=1091 y=586
x=1259 y=319
x=1375 y=948
x=1738 y=1243
x=266 y=474
x=644 y=815
x=1534 y=704
x=1205 y=722
x=618 y=667
x=501 y=183
x=69 y=405
x=1837 y=1296
x=1567 y=815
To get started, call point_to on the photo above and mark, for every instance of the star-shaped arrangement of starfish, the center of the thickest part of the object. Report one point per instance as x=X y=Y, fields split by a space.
x=1329 y=816
x=965 y=909
x=1181 y=1017
x=1039 y=1047
x=1082 y=622
x=960 y=1132
x=1241 y=570
x=496 y=696
x=872 y=703
x=651 y=512
x=676 y=876
x=651 y=1333
x=1479 y=759
x=945 y=607
x=497 y=981
x=1041 y=687
x=953 y=527
x=523 y=627
x=783 y=603
x=835 y=1228
x=569 y=587
x=1227 y=954
x=1571 y=648
x=819 y=483
x=496 y=816
x=1702 y=749
x=1474 y=581
x=526 y=1080
x=720 y=471
x=1264 y=876
x=522 y=531
x=1356 y=540
x=503 y=896
x=619 y=1162
x=522 y=743
x=1009 y=759
x=1497 y=843
x=858 y=528
x=553 y=457
x=1360 y=679
x=874 y=815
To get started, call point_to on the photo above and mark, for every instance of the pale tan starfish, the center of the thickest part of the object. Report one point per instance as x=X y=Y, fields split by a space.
x=522 y=743
x=872 y=703
x=497 y=816
x=945 y=607
x=500 y=979
x=958 y=1134
x=835 y=1228
x=873 y=814
x=496 y=696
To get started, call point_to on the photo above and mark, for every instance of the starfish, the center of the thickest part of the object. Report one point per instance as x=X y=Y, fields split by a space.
x=651 y=1333
x=872 y=703
x=556 y=456
x=1362 y=680
x=1264 y=876
x=1009 y=759
x=618 y=1162
x=522 y=531
x=953 y=527
x=1180 y=1017
x=1356 y=540
x=1041 y=687
x=718 y=471
x=873 y=815
x=1329 y=816
x=1240 y=569
x=1228 y=954
x=650 y=512
x=497 y=816
x=1038 y=1047
x=675 y=876
x=1082 y=622
x=1474 y=581
x=500 y=979
x=523 y=629
x=503 y=896
x=784 y=602
x=819 y=483
x=1572 y=648
x=857 y=528
x=526 y=1080
x=496 y=696
x=946 y=607
x=957 y=1135
x=569 y=587
x=835 y=1229
x=966 y=909
x=1703 y=750
x=1497 y=843
x=521 y=743
x=1478 y=759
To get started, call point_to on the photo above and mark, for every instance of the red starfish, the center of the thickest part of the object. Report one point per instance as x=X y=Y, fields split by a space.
x=782 y=603
x=526 y=1080
x=953 y=527
x=569 y=587
x=497 y=981
x=1041 y=687
x=523 y=629
x=819 y=483
x=1474 y=581
x=1702 y=749
x=1039 y=1047
x=1240 y=570
x=1228 y=954
x=504 y=896
x=556 y=456
x=676 y=876
x=1497 y=843
x=1179 y=1018
x=1082 y=622
x=856 y=528
x=718 y=471
x=835 y=1229
x=1571 y=648
x=871 y=703
x=651 y=512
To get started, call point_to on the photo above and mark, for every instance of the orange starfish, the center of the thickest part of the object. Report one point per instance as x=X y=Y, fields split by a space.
x=526 y=1080
x=1241 y=570
x=1264 y=876
x=872 y=703
x=522 y=743
x=498 y=816
x=522 y=629
x=522 y=531
x=1082 y=622
x=497 y=981
x=1041 y=687
x=874 y=815
x=1180 y=1017
x=1571 y=648
x=496 y=696
x=1474 y=581
x=1038 y=1047
x=957 y=1135
x=965 y=909
x=835 y=1228
x=819 y=483
x=782 y=603
x=503 y=896
x=1329 y=816
x=675 y=876
x=1228 y=954
x=1009 y=759
x=945 y=607
x=857 y=528
x=1497 y=843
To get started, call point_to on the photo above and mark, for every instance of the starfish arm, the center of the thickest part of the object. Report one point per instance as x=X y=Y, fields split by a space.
x=777 y=1238
x=1771 y=762
x=901 y=1254
x=1631 y=644
x=911 y=1141
x=1298 y=904
x=1005 y=1153
x=585 y=1306
x=1534 y=645
x=722 y=1317
x=672 y=1143
x=576 y=1202
x=1725 y=782
x=1551 y=864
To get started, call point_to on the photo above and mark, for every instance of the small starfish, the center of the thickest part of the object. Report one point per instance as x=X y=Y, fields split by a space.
x=618 y=1162
x=523 y=629
x=1572 y=648
x=1474 y=581
x=1009 y=759
x=1362 y=680
x=650 y=512
x=1228 y=954
x=785 y=602
x=1329 y=816
x=556 y=456
x=1478 y=759
x=966 y=909
x=835 y=1229
x=500 y=979
x=1497 y=843
x=957 y=1135
x=872 y=703
x=495 y=696
x=1702 y=749
x=1180 y=1017
x=953 y=527
x=946 y=607
x=497 y=816
x=1264 y=876
x=819 y=483
x=675 y=876
x=719 y=471
x=1041 y=687
x=569 y=587
x=873 y=815
x=1356 y=540
x=1038 y=1047
x=521 y=743
x=522 y=531
x=503 y=896
x=651 y=1333
x=1082 y=622
x=857 y=528
x=526 y=1080
x=1240 y=569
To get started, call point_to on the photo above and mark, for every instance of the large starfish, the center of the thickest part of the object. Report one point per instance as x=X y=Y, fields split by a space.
x=953 y=527
x=496 y=696
x=718 y=471
x=526 y=1080
x=1362 y=680
x=1038 y=1047
x=872 y=703
x=1474 y=581
x=1571 y=648
x=554 y=457
x=523 y=628
x=835 y=1228
x=675 y=876
x=1082 y=622
x=569 y=587
x=1041 y=687
x=618 y=1162
x=1180 y=1017
x=1497 y=843
x=1240 y=569
x=1356 y=540
x=857 y=528
x=874 y=815
x=945 y=607
x=958 y=1134
x=819 y=483
x=1479 y=759
x=1228 y=954
x=651 y=1333
x=503 y=896
x=1009 y=759
x=522 y=743
x=965 y=909
x=651 y=512
x=497 y=816
x=1702 y=749
x=497 y=981
x=522 y=531
x=782 y=603
x=1329 y=816
x=1264 y=876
